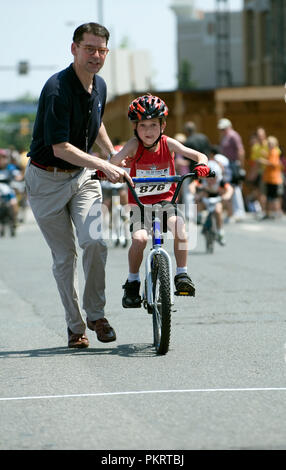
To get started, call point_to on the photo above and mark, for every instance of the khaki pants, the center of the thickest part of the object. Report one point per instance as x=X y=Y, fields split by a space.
x=61 y=201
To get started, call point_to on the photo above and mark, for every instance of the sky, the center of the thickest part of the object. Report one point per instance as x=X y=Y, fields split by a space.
x=40 y=32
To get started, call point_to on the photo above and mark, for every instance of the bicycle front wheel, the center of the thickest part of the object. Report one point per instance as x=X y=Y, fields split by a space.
x=161 y=310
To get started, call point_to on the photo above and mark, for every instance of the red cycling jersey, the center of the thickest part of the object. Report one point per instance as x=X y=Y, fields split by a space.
x=148 y=164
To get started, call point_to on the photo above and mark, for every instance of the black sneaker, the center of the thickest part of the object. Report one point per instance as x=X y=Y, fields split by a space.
x=131 y=297
x=184 y=285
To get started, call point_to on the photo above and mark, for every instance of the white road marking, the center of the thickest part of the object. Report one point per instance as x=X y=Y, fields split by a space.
x=147 y=392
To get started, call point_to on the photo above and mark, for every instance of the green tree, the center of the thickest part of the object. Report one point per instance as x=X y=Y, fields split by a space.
x=185 y=81
x=16 y=131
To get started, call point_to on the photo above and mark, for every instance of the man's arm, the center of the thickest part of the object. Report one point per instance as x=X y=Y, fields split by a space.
x=240 y=147
x=75 y=156
x=103 y=141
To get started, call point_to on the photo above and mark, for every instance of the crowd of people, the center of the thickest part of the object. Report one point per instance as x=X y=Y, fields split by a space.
x=13 y=201
x=257 y=176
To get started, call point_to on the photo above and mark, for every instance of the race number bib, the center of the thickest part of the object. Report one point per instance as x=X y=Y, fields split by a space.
x=149 y=189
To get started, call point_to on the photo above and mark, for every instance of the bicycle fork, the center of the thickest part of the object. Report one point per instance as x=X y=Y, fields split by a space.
x=156 y=250
x=148 y=290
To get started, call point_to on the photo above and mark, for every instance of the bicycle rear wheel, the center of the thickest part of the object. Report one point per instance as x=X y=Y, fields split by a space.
x=161 y=311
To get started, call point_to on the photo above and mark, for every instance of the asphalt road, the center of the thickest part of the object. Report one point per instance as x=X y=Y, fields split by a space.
x=221 y=386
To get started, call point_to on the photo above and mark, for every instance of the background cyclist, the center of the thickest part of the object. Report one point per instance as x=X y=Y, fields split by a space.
x=213 y=187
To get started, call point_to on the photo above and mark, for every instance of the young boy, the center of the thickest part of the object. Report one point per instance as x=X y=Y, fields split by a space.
x=151 y=152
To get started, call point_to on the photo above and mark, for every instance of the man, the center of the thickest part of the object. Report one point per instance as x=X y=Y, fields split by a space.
x=232 y=147
x=199 y=142
x=231 y=144
x=196 y=140
x=58 y=179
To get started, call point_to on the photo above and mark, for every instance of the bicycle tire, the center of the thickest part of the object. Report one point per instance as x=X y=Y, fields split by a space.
x=209 y=234
x=161 y=311
x=209 y=241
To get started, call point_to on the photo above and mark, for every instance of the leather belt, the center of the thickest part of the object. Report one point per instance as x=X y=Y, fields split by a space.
x=55 y=169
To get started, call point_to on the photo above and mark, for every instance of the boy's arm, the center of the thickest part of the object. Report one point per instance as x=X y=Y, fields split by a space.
x=129 y=150
x=177 y=147
x=228 y=192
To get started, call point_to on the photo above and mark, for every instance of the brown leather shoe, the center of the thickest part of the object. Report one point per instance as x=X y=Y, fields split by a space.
x=76 y=340
x=105 y=332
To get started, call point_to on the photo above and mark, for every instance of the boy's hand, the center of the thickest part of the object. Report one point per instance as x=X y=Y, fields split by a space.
x=201 y=170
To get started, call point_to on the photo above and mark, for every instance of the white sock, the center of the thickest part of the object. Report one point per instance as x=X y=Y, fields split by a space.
x=181 y=270
x=133 y=277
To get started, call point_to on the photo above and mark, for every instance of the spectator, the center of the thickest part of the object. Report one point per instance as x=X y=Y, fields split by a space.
x=181 y=163
x=182 y=167
x=259 y=149
x=283 y=162
x=232 y=147
x=196 y=140
x=199 y=142
x=272 y=176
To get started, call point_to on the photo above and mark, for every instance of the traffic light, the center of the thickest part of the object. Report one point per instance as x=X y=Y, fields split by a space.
x=23 y=67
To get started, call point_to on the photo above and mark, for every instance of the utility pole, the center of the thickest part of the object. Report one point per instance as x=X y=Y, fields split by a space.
x=223 y=38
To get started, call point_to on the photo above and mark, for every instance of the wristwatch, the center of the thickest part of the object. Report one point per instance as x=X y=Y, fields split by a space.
x=110 y=155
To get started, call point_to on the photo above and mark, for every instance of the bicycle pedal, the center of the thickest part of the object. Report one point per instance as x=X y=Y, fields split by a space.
x=183 y=294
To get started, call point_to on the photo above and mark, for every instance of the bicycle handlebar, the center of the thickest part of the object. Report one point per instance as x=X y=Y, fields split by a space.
x=163 y=179
x=160 y=179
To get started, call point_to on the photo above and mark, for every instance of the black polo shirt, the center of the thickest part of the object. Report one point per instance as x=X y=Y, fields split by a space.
x=66 y=113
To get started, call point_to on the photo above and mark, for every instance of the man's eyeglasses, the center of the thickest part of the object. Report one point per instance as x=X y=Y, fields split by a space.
x=91 y=50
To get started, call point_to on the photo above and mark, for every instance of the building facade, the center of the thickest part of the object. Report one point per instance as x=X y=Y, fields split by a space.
x=265 y=42
x=197 y=45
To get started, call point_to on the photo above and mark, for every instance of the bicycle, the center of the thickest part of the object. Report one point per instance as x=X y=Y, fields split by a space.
x=209 y=229
x=158 y=293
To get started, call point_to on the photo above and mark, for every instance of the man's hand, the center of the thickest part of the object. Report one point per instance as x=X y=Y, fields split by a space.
x=115 y=174
x=201 y=170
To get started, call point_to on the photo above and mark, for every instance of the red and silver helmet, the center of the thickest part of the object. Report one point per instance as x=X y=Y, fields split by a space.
x=147 y=107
